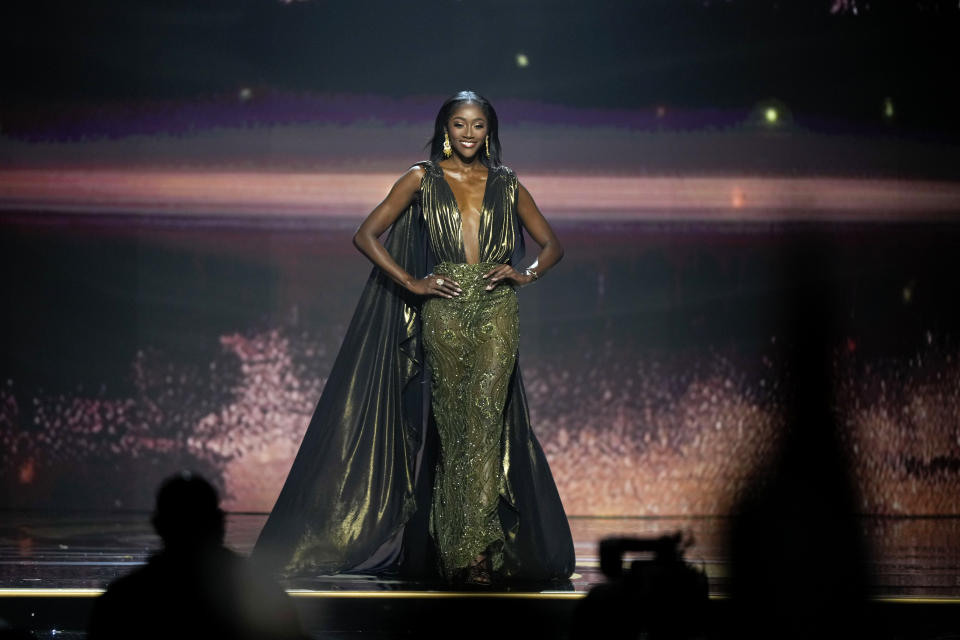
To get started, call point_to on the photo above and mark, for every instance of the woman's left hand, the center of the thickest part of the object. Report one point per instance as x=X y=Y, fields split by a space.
x=504 y=273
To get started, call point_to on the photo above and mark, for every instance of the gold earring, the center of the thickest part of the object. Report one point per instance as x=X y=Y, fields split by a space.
x=488 y=146
x=447 y=151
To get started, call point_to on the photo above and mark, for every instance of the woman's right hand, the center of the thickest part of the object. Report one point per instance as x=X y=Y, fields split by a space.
x=436 y=285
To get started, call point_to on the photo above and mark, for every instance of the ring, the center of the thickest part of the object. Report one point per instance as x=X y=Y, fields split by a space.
x=439 y=282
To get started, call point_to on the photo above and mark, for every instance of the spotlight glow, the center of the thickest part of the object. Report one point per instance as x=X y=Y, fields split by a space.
x=737 y=198
x=888 y=108
x=522 y=60
x=771 y=115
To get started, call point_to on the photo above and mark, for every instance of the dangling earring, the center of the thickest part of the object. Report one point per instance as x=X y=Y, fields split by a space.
x=488 y=146
x=447 y=151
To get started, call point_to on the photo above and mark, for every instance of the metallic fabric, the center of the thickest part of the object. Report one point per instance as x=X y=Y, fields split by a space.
x=351 y=484
x=360 y=494
x=498 y=231
x=471 y=344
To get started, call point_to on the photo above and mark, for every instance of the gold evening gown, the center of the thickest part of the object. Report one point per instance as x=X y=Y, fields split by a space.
x=420 y=455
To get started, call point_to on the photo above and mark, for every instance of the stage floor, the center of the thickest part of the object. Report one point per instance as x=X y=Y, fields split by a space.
x=913 y=557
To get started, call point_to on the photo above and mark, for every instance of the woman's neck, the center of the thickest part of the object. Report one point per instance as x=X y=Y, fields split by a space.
x=460 y=165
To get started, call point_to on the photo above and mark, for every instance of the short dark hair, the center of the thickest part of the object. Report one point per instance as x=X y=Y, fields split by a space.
x=493 y=130
x=188 y=511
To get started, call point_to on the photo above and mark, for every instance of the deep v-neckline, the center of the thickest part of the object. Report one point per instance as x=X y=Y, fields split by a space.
x=456 y=205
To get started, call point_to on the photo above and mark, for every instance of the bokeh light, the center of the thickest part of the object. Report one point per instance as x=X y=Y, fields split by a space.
x=888 y=108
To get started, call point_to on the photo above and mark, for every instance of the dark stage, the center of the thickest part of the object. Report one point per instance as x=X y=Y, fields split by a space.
x=53 y=565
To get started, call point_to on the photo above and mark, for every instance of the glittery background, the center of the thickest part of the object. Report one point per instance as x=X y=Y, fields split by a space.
x=653 y=356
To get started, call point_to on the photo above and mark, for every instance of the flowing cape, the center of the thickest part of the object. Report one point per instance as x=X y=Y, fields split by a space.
x=357 y=497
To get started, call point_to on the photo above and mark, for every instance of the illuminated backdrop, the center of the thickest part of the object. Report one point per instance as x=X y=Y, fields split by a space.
x=177 y=201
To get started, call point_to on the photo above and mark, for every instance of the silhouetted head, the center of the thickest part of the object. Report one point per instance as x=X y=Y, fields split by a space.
x=188 y=514
x=449 y=111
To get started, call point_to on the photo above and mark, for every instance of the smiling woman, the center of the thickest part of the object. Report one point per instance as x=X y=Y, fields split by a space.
x=432 y=470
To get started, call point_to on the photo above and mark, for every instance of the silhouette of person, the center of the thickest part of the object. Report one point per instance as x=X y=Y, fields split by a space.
x=194 y=587
x=800 y=565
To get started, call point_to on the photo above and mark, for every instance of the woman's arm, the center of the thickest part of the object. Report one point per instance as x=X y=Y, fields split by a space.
x=366 y=239
x=539 y=229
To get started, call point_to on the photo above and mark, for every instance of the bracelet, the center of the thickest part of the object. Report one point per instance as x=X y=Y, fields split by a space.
x=532 y=273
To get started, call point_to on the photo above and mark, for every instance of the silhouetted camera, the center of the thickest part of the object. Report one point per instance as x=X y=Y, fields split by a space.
x=657 y=597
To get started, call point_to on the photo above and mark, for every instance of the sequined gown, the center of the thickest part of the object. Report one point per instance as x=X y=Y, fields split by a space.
x=420 y=454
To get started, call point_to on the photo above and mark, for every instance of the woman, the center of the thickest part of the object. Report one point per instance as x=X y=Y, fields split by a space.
x=432 y=469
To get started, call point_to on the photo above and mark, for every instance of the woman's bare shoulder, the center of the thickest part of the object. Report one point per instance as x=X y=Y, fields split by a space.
x=413 y=176
x=423 y=166
x=417 y=171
